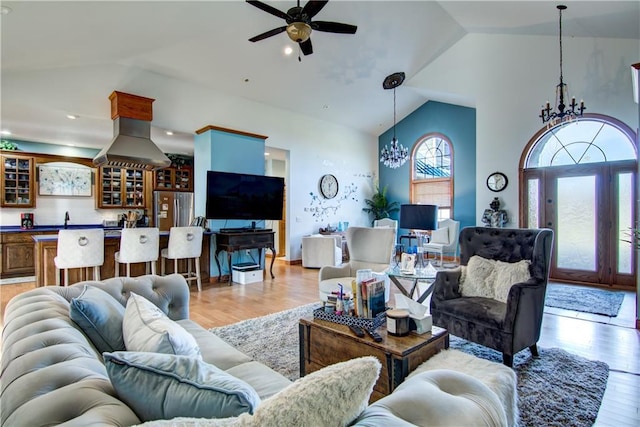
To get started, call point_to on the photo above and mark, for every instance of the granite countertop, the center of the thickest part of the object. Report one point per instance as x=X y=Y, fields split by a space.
x=37 y=228
x=108 y=231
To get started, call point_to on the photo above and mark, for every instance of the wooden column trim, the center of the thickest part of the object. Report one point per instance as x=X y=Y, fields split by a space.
x=237 y=132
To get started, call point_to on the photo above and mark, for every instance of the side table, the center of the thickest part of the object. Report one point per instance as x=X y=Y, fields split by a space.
x=395 y=274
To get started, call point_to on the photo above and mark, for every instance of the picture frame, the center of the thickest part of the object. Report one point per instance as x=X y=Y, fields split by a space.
x=57 y=180
x=408 y=263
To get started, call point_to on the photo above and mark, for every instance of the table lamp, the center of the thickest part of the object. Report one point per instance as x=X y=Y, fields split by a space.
x=419 y=218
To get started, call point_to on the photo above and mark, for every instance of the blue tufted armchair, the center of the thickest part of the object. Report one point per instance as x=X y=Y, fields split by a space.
x=507 y=327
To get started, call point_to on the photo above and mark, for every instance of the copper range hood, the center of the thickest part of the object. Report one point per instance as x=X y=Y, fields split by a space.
x=131 y=146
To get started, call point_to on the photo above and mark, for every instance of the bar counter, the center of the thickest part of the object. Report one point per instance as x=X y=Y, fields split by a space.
x=46 y=248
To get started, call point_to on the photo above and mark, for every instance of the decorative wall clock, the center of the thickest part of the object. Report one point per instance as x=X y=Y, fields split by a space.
x=328 y=186
x=497 y=181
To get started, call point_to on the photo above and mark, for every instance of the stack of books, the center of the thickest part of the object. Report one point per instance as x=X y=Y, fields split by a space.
x=369 y=297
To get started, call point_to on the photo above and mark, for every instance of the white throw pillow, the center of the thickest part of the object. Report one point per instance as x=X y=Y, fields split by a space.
x=146 y=328
x=506 y=275
x=333 y=396
x=476 y=280
x=440 y=236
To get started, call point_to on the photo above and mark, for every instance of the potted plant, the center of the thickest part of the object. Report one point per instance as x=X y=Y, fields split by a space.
x=379 y=205
x=634 y=237
x=7 y=145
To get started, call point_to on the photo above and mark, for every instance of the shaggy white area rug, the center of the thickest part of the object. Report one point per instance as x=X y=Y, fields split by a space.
x=555 y=389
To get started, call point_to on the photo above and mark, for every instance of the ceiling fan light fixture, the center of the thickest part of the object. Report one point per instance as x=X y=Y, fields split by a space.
x=299 y=32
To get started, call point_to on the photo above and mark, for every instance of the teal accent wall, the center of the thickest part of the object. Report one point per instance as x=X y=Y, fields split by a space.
x=226 y=152
x=54 y=149
x=456 y=123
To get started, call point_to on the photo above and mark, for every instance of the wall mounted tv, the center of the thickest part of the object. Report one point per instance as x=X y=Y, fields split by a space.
x=244 y=196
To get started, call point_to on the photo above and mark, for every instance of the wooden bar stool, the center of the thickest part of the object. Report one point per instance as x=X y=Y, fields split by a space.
x=184 y=243
x=79 y=249
x=138 y=245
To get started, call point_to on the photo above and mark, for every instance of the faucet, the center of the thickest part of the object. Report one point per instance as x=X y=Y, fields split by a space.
x=66 y=219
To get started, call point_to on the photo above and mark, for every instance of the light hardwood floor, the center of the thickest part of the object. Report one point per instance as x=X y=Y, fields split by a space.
x=614 y=341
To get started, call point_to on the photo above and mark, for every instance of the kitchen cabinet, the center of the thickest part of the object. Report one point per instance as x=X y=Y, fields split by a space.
x=17 y=181
x=121 y=188
x=18 y=256
x=174 y=179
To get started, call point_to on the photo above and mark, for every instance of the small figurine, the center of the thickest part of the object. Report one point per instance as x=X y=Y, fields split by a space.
x=495 y=217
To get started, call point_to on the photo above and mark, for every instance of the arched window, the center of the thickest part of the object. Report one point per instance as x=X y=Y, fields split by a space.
x=580 y=142
x=432 y=172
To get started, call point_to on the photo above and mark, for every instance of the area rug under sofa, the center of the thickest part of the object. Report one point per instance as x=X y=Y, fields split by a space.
x=555 y=389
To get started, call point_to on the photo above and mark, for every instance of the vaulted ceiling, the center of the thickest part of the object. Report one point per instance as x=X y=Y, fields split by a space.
x=66 y=57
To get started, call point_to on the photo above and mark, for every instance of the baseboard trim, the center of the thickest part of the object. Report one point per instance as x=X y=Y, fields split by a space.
x=13 y=280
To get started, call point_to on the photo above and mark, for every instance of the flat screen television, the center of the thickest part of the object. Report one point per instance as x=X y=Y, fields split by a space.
x=244 y=196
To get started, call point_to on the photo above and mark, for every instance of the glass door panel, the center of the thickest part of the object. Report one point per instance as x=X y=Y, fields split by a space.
x=576 y=223
x=533 y=203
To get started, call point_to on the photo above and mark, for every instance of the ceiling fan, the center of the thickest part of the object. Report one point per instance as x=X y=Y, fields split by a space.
x=299 y=23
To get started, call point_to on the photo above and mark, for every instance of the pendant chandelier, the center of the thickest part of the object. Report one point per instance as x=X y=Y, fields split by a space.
x=396 y=155
x=561 y=111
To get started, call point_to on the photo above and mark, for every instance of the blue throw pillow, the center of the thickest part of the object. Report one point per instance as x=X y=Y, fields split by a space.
x=164 y=386
x=100 y=316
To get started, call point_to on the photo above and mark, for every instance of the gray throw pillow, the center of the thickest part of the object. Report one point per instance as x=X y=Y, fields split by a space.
x=99 y=315
x=164 y=386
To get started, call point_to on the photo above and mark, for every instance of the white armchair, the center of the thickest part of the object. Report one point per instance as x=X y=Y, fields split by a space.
x=444 y=239
x=368 y=249
x=319 y=250
x=389 y=223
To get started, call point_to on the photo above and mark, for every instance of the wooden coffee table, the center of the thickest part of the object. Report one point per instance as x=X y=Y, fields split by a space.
x=323 y=343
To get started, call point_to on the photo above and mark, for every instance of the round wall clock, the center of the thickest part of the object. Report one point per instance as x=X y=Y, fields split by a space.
x=328 y=186
x=497 y=181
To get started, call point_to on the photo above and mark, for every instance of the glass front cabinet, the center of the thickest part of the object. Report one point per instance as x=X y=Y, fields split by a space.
x=121 y=188
x=174 y=179
x=18 y=181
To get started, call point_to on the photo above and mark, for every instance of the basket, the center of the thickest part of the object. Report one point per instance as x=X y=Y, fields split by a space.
x=363 y=322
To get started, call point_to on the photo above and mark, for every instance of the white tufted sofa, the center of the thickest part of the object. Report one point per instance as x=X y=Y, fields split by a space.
x=52 y=374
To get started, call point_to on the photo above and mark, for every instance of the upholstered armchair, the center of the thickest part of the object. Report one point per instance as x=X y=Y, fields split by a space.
x=444 y=240
x=479 y=301
x=368 y=249
x=319 y=250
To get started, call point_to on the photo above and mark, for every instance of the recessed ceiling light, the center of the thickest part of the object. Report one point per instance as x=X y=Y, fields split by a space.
x=4 y=10
x=288 y=50
x=71 y=116
x=246 y=80
x=325 y=107
x=168 y=132
x=5 y=132
x=267 y=154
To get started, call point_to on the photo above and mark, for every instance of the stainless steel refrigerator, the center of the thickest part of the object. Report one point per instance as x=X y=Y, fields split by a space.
x=172 y=209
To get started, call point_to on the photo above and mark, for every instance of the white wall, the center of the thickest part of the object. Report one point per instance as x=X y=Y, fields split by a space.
x=509 y=78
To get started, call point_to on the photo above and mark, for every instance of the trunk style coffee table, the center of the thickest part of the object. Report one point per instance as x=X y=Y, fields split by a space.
x=324 y=343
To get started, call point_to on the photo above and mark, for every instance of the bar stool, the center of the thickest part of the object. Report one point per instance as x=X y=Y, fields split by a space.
x=184 y=243
x=79 y=249
x=138 y=245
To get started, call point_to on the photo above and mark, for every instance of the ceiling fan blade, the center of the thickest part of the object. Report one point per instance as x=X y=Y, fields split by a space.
x=268 y=34
x=269 y=9
x=334 y=27
x=312 y=8
x=306 y=47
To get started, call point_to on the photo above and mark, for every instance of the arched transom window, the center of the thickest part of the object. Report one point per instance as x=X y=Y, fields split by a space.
x=580 y=142
x=431 y=180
